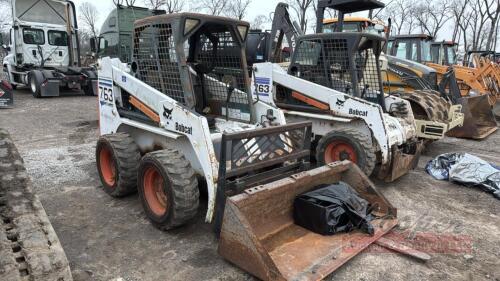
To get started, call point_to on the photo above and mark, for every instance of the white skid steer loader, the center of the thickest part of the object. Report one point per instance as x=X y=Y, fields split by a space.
x=334 y=81
x=183 y=112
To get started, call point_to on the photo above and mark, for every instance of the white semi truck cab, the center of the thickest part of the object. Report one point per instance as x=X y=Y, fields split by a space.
x=44 y=49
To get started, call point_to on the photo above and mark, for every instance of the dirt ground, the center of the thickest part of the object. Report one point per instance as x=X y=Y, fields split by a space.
x=110 y=239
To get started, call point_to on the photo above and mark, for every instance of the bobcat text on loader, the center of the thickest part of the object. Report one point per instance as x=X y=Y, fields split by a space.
x=44 y=50
x=183 y=112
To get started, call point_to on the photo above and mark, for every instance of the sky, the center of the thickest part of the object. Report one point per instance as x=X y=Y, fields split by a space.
x=257 y=7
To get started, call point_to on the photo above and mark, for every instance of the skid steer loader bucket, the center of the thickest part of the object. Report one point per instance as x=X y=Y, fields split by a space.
x=479 y=120
x=259 y=235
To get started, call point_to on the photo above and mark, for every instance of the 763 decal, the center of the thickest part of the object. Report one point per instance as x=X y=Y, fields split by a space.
x=262 y=86
x=106 y=91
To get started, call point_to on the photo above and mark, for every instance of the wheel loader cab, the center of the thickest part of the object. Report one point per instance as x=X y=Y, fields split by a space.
x=197 y=60
x=444 y=53
x=412 y=47
x=346 y=62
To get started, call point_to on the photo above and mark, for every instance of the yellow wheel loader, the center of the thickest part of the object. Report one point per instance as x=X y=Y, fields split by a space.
x=182 y=112
x=460 y=85
x=429 y=89
x=432 y=112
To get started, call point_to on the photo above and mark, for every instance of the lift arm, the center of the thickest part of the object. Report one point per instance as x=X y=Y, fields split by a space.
x=282 y=26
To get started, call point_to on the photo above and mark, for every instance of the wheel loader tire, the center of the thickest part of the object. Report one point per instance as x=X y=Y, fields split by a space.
x=347 y=144
x=428 y=105
x=168 y=188
x=117 y=158
x=35 y=81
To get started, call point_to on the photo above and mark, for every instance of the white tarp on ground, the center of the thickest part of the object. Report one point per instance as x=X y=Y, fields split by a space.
x=466 y=169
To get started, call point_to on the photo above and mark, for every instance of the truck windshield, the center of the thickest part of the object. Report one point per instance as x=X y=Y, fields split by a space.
x=58 y=38
x=33 y=36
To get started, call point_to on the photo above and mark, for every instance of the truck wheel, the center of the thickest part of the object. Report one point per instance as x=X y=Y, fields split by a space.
x=117 y=158
x=168 y=188
x=36 y=80
x=349 y=145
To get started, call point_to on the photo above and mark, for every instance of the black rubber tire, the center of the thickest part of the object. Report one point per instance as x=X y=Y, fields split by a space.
x=126 y=157
x=180 y=187
x=362 y=144
x=35 y=82
x=87 y=89
x=428 y=104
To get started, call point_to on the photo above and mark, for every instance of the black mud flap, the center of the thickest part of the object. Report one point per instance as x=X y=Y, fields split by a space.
x=255 y=157
x=50 y=88
x=95 y=89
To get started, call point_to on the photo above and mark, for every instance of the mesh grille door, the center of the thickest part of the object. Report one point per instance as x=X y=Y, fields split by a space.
x=227 y=70
x=368 y=72
x=154 y=52
x=339 y=66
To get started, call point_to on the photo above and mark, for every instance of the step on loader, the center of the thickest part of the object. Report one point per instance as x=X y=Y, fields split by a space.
x=182 y=112
x=460 y=85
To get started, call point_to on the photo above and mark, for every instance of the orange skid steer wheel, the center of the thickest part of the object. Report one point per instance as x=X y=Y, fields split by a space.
x=168 y=188
x=117 y=158
x=349 y=145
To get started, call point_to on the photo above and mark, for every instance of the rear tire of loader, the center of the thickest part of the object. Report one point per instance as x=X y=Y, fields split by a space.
x=347 y=144
x=117 y=158
x=168 y=188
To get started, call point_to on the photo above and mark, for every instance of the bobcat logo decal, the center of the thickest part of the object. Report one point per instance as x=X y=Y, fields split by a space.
x=340 y=102
x=167 y=113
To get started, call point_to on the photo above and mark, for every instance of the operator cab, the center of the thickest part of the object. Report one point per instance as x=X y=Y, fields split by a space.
x=197 y=60
x=412 y=47
x=347 y=62
x=444 y=53
x=355 y=24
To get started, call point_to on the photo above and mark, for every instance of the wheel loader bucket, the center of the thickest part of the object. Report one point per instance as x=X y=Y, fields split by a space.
x=479 y=120
x=496 y=110
x=259 y=235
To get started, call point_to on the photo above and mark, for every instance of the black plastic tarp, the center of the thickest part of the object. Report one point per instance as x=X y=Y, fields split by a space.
x=466 y=169
x=331 y=209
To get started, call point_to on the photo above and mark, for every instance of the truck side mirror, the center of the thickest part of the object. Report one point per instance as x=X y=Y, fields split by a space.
x=93 y=45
